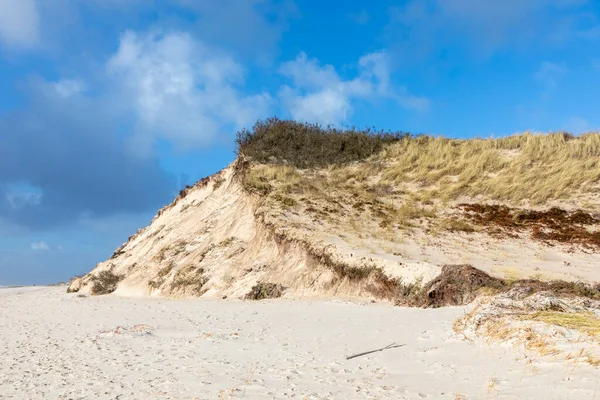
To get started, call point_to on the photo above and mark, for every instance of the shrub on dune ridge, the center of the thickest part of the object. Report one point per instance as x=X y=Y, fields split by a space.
x=307 y=145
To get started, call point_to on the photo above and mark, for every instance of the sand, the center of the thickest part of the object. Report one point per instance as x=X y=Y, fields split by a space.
x=62 y=346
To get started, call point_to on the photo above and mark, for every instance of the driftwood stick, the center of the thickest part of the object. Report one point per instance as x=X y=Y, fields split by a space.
x=389 y=346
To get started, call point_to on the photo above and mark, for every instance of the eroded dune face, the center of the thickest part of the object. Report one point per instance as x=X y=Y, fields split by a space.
x=222 y=238
x=309 y=212
x=214 y=241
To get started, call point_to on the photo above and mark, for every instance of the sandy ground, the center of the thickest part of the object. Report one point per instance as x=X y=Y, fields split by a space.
x=59 y=346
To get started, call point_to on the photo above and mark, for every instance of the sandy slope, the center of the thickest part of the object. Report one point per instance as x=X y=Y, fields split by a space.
x=218 y=240
x=59 y=346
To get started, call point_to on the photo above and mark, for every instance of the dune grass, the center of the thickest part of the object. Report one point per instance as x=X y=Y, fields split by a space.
x=404 y=180
x=585 y=322
x=528 y=167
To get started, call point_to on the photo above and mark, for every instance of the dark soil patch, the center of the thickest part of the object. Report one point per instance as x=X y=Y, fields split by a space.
x=554 y=225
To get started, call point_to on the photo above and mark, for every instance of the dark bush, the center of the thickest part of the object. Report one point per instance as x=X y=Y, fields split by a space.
x=307 y=145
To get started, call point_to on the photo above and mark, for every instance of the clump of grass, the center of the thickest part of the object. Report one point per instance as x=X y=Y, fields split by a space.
x=161 y=276
x=265 y=290
x=162 y=253
x=226 y=242
x=71 y=288
x=189 y=278
x=256 y=183
x=217 y=182
x=105 y=282
x=155 y=283
x=166 y=270
x=456 y=225
x=585 y=322
x=285 y=200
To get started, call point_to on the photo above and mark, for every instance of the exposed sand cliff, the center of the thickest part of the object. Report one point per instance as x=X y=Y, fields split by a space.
x=215 y=241
x=222 y=237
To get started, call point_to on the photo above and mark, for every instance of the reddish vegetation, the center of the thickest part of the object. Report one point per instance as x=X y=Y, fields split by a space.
x=552 y=225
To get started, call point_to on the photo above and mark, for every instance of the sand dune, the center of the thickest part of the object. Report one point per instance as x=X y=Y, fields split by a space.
x=59 y=346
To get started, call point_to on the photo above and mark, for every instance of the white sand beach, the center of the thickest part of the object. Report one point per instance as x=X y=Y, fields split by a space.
x=55 y=345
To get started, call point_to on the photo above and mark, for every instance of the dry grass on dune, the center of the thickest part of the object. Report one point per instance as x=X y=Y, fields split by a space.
x=409 y=179
x=585 y=322
x=532 y=168
x=528 y=167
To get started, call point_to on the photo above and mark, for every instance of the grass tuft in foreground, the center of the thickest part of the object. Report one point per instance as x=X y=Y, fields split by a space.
x=585 y=322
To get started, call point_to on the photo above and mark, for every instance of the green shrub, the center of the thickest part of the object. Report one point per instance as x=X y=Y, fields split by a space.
x=306 y=145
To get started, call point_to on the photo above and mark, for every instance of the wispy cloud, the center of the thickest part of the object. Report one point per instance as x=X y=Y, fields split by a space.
x=362 y=17
x=69 y=87
x=19 y=23
x=20 y=196
x=40 y=246
x=549 y=75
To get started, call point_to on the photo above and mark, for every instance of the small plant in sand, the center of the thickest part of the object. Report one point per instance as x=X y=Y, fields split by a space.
x=218 y=181
x=265 y=290
x=189 y=279
x=105 y=282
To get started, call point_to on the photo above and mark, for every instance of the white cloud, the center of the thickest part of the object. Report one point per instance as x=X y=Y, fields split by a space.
x=40 y=246
x=20 y=196
x=182 y=90
x=69 y=87
x=19 y=23
x=319 y=94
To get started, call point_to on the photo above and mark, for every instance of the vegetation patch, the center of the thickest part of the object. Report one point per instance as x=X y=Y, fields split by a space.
x=161 y=276
x=586 y=322
x=306 y=145
x=458 y=285
x=461 y=284
x=456 y=225
x=217 y=182
x=105 y=282
x=527 y=167
x=265 y=290
x=552 y=225
x=189 y=278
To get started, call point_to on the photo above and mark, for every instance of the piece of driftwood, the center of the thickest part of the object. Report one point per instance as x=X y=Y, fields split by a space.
x=389 y=346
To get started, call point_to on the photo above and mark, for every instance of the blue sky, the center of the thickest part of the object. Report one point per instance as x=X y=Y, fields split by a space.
x=109 y=107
